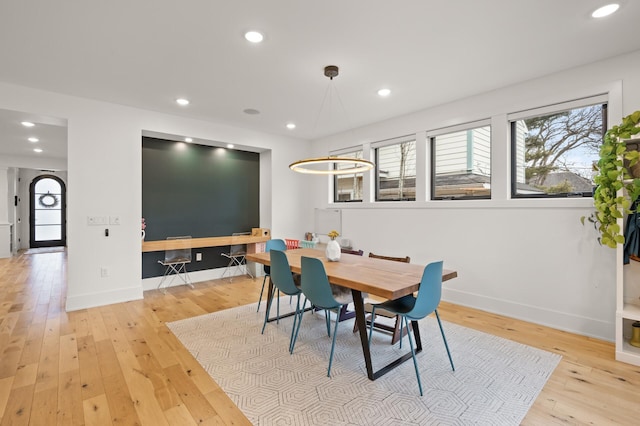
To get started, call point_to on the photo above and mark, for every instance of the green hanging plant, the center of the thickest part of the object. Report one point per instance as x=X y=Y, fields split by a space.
x=613 y=175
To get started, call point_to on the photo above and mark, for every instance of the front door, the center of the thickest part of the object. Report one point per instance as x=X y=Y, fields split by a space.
x=48 y=212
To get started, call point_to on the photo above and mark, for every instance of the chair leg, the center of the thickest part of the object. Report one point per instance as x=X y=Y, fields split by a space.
x=268 y=311
x=295 y=320
x=295 y=337
x=402 y=332
x=162 y=280
x=278 y=307
x=228 y=269
x=445 y=340
x=397 y=331
x=373 y=317
x=184 y=275
x=242 y=264
x=264 y=280
x=333 y=344
x=413 y=355
x=326 y=317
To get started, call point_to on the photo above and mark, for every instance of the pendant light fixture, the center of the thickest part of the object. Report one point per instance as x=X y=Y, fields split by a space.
x=329 y=165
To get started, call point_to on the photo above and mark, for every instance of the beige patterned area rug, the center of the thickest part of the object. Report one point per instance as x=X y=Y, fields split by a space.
x=495 y=382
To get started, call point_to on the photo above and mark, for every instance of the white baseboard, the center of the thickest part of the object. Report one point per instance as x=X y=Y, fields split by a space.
x=585 y=326
x=198 y=276
x=92 y=300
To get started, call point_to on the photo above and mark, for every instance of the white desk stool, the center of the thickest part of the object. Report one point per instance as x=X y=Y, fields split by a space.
x=176 y=261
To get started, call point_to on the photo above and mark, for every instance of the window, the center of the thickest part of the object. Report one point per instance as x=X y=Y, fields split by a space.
x=396 y=170
x=553 y=153
x=461 y=164
x=348 y=187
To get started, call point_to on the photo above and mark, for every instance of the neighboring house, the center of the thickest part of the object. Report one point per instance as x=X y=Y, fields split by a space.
x=576 y=182
x=463 y=163
x=463 y=185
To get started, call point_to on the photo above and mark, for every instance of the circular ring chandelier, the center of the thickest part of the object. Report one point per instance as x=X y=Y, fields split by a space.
x=329 y=166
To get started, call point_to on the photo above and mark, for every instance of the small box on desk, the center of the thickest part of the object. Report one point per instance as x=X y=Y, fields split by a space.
x=260 y=232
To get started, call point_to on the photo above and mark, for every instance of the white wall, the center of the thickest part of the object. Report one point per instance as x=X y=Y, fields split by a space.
x=103 y=138
x=529 y=259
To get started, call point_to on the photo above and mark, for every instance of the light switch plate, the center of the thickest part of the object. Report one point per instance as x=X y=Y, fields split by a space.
x=96 y=220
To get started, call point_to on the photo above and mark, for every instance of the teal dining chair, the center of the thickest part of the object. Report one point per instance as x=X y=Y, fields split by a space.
x=275 y=245
x=283 y=281
x=317 y=290
x=410 y=308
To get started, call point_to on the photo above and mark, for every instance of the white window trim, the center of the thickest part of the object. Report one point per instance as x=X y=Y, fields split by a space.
x=458 y=128
x=349 y=150
x=394 y=141
x=559 y=107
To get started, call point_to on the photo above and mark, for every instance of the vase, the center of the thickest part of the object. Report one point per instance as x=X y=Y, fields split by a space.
x=635 y=337
x=143 y=234
x=333 y=251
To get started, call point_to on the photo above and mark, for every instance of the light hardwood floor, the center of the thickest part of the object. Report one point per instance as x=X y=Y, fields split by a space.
x=119 y=364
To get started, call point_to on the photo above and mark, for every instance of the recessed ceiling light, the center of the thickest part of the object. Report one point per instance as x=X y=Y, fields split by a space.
x=254 y=36
x=188 y=140
x=230 y=145
x=291 y=126
x=37 y=150
x=27 y=124
x=33 y=140
x=605 y=10
x=251 y=111
x=182 y=101
x=384 y=92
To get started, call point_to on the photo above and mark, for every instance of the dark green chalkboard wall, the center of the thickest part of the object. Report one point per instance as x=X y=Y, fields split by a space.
x=202 y=191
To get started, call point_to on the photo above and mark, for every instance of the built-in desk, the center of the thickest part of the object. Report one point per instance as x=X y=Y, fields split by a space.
x=161 y=245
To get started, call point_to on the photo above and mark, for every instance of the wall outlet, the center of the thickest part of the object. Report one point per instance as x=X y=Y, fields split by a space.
x=104 y=272
x=198 y=257
x=114 y=220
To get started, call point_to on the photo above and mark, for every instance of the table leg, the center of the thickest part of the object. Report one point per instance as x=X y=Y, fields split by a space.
x=364 y=339
x=358 y=304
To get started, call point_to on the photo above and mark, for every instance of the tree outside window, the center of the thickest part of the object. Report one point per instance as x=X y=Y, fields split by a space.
x=553 y=155
x=396 y=171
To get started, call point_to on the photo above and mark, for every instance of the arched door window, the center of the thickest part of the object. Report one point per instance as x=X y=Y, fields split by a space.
x=48 y=213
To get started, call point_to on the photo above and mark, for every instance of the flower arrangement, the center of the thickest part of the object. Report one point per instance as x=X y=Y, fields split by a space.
x=333 y=234
x=144 y=224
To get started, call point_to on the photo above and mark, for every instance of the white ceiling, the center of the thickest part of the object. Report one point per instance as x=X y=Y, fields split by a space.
x=147 y=53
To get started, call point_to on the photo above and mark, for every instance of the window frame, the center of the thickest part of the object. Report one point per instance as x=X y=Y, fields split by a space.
x=512 y=118
x=344 y=152
x=383 y=144
x=432 y=135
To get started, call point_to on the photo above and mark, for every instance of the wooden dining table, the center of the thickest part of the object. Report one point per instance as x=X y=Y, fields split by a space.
x=378 y=277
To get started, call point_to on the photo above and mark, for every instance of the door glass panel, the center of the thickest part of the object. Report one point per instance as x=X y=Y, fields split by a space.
x=48 y=217
x=48 y=233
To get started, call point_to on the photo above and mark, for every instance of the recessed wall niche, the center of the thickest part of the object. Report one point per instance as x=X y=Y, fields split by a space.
x=197 y=190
